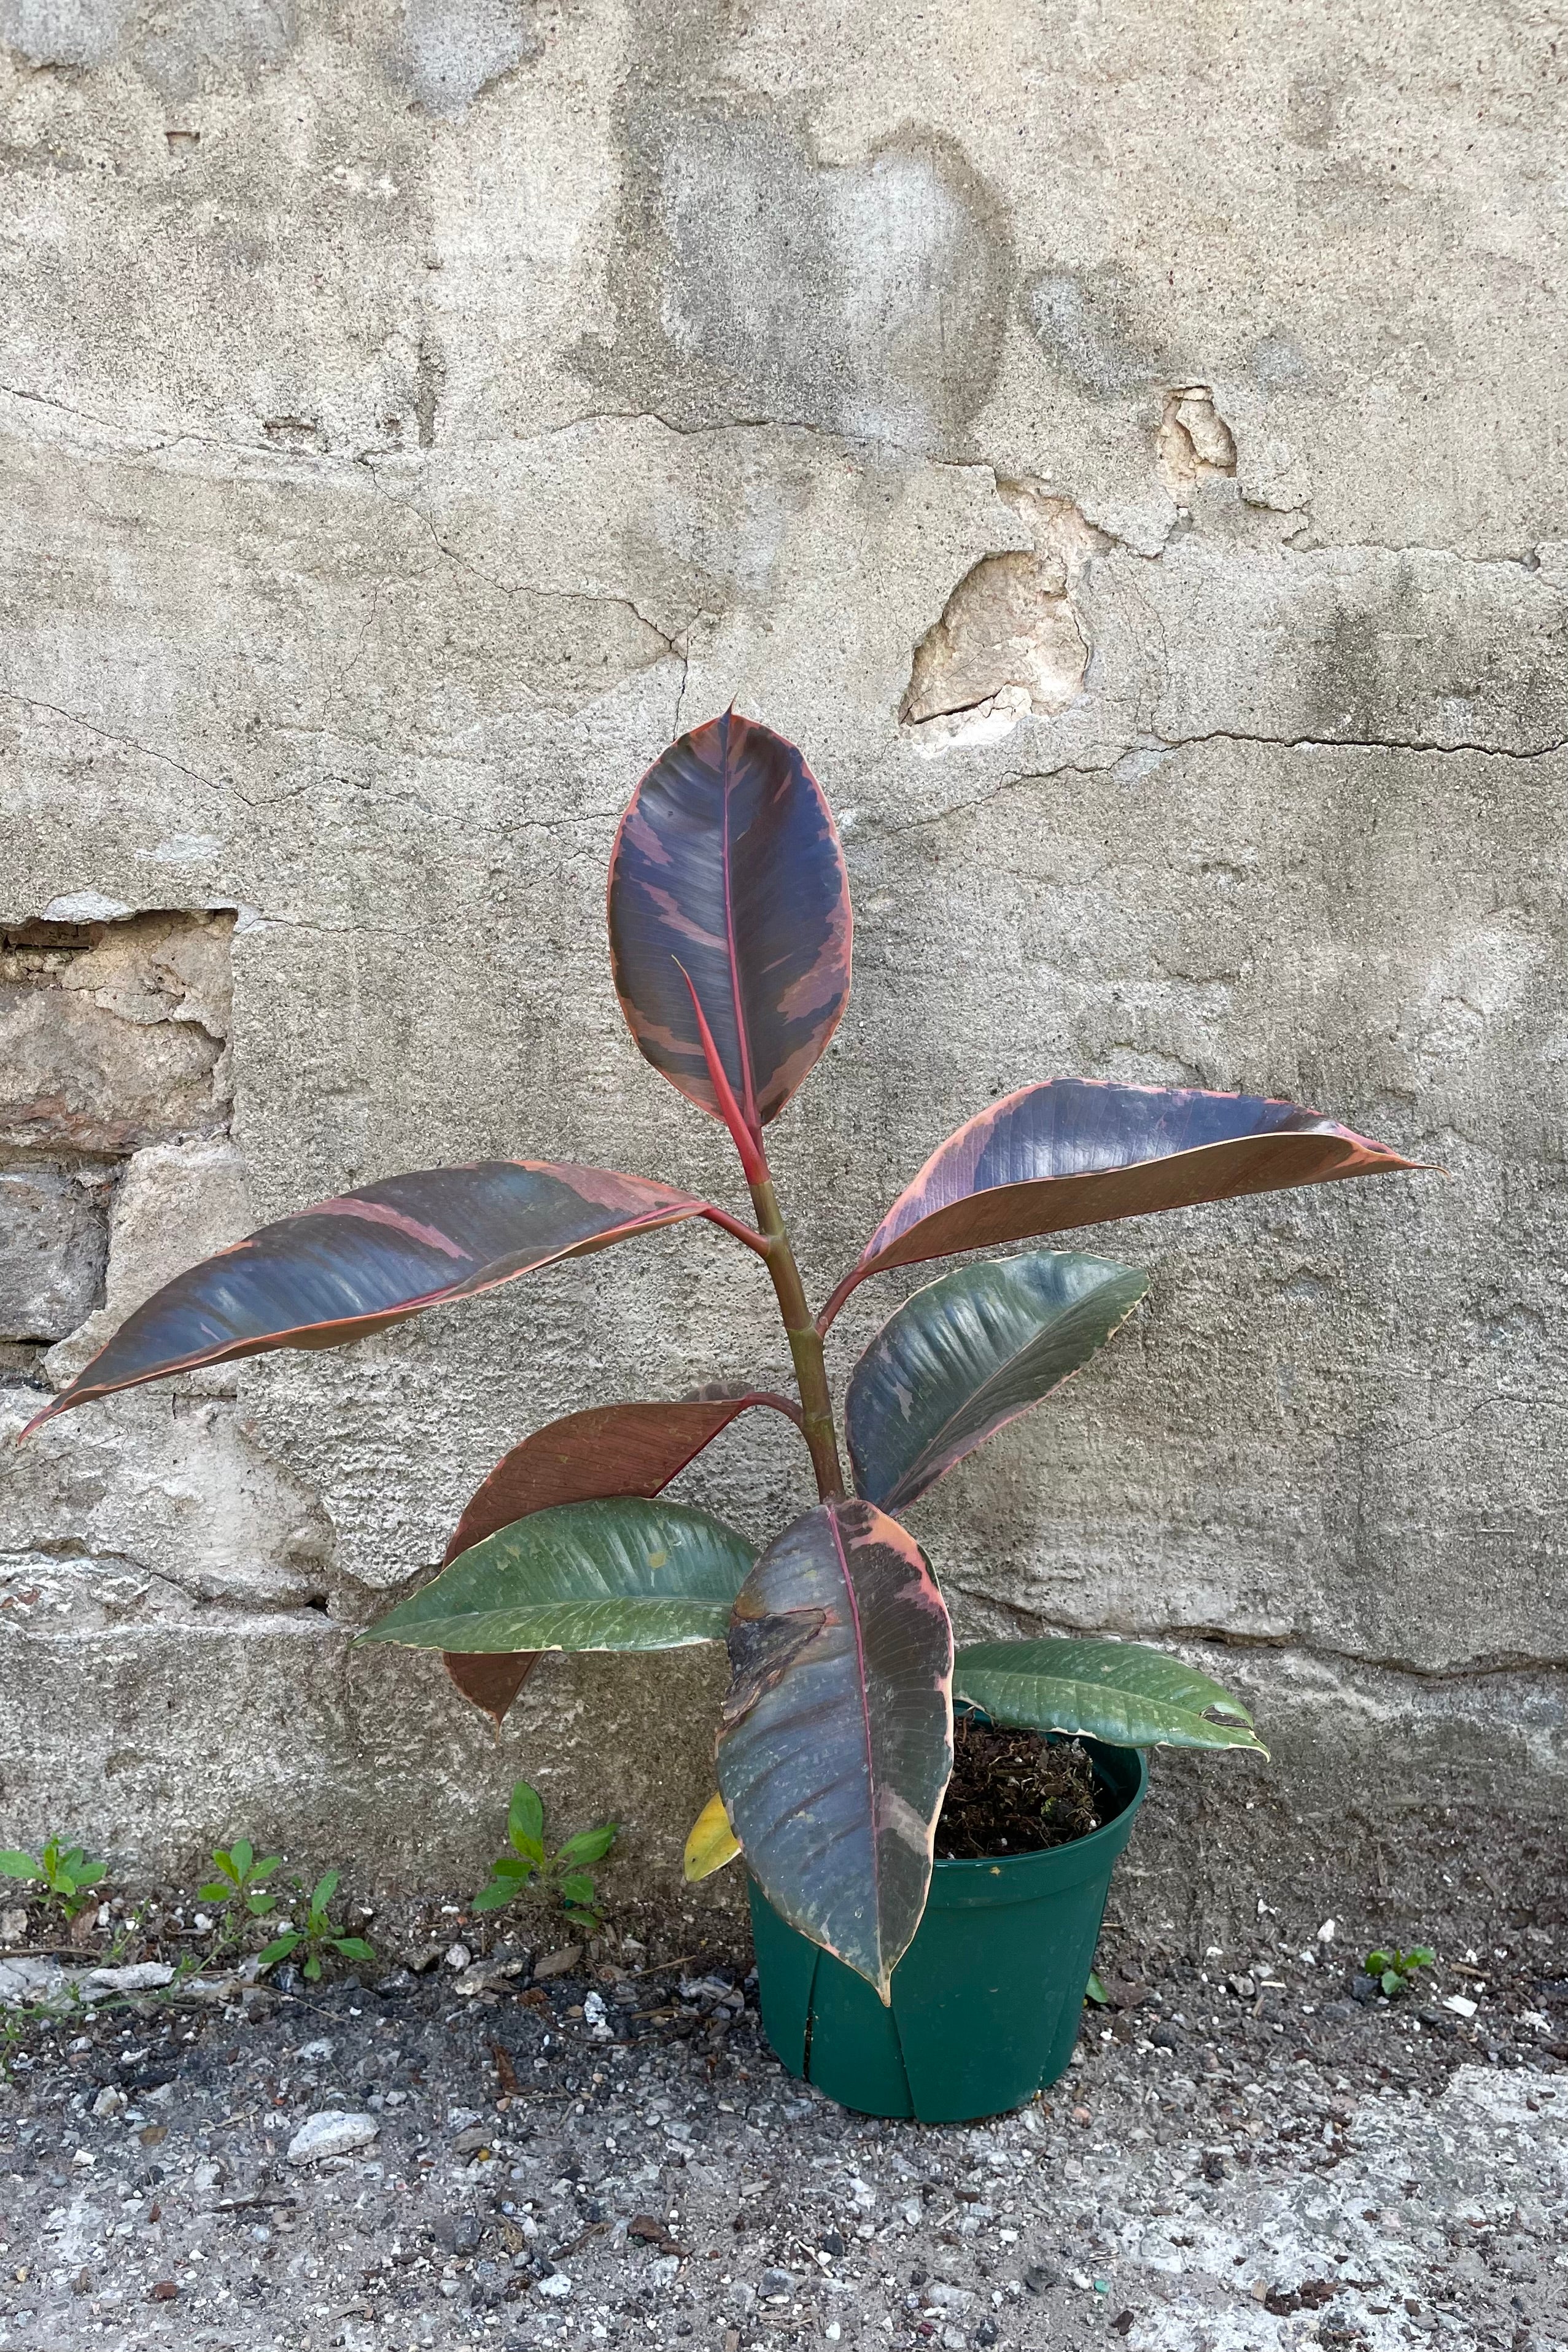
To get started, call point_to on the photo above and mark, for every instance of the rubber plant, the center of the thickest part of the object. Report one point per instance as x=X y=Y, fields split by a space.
x=730 y=941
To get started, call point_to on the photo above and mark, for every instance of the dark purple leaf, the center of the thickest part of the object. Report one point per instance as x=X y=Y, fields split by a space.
x=348 y=1267
x=836 y=1737
x=730 y=905
x=1080 y=1152
x=585 y=1457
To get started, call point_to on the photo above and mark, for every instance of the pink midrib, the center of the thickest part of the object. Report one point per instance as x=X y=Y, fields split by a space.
x=864 y=1718
x=748 y=1088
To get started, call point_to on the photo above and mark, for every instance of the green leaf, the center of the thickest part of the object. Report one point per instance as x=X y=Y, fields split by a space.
x=576 y=1886
x=1094 y=1991
x=970 y=1352
x=1377 y=1962
x=525 y=1821
x=624 y=1574
x=1422 y=1957
x=326 y=1886
x=216 y=1890
x=241 y=1854
x=279 y=1950
x=496 y=1895
x=92 y=1873
x=588 y=1846
x=519 y=1868
x=353 y=1947
x=258 y=1905
x=312 y=1969
x=264 y=1869
x=1120 y=1692
x=1392 y=1981
x=20 y=1865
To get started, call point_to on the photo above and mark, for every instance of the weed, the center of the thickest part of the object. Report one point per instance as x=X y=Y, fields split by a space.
x=1396 y=1970
x=64 y=1873
x=563 y=1872
x=319 y=1935
x=236 y=1890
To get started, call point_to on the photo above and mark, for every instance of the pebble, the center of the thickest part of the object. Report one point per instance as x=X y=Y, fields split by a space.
x=331 y=2133
x=459 y=1956
x=143 y=1976
x=557 y=2285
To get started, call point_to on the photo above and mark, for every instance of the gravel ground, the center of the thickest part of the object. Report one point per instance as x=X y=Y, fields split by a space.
x=1242 y=2156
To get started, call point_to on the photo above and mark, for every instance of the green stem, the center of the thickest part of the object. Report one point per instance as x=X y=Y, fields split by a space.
x=805 y=1344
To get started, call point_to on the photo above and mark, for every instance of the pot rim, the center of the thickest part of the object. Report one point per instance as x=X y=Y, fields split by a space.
x=992 y=1865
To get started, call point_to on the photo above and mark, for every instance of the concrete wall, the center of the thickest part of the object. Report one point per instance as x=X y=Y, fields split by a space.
x=1125 y=449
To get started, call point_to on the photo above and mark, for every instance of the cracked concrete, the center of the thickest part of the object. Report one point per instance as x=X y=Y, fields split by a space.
x=412 y=417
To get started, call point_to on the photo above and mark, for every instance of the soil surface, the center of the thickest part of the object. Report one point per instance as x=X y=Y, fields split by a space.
x=1250 y=2153
x=1014 y=1792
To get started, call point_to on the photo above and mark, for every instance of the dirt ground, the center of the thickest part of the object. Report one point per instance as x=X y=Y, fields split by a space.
x=1243 y=2155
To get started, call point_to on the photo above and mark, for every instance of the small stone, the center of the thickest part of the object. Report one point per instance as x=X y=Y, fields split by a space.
x=1364 y=1988
x=832 y=2243
x=1460 y=2005
x=557 y=1964
x=315 y=2053
x=468 y=2143
x=557 y=2287
x=143 y=1976
x=331 y=2133
x=110 y=2101
x=987 y=2334
x=457 y=1956
x=1166 y=2037
x=1039 y=2278
x=775 y=2282
x=84 y=2157
x=164 y=2292
x=14 y=1924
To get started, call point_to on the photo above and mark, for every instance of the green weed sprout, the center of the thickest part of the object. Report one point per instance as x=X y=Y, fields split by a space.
x=565 y=1872
x=1396 y=1970
x=63 y=1871
x=318 y=1936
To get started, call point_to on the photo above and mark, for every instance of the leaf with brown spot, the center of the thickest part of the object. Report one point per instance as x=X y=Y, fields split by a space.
x=836 y=1740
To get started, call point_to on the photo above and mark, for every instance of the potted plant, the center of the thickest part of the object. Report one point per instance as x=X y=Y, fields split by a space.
x=898 y=1983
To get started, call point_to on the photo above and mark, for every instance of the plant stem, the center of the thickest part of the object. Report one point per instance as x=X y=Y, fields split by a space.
x=804 y=1345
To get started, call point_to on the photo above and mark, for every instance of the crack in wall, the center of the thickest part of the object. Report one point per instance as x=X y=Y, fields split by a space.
x=1294 y=1644
x=106 y=735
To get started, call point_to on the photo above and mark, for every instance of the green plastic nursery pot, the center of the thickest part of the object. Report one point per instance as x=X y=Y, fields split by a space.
x=987 y=2000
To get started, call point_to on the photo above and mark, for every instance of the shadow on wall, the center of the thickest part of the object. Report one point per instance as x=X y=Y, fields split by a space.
x=755 y=284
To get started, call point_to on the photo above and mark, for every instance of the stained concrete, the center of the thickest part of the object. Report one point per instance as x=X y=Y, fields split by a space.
x=409 y=419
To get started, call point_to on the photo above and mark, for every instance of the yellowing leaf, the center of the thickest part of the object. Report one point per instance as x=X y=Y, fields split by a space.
x=712 y=1844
